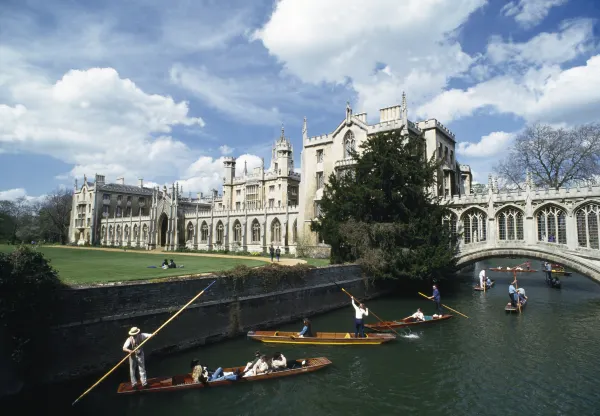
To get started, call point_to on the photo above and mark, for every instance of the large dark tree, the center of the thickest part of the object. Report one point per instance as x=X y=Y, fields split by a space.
x=54 y=215
x=555 y=157
x=381 y=214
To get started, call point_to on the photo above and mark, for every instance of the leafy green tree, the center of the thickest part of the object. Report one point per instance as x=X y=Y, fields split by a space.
x=381 y=214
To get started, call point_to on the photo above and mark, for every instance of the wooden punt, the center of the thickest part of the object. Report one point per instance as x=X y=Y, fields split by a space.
x=321 y=338
x=510 y=308
x=405 y=322
x=185 y=381
x=480 y=289
x=511 y=269
x=561 y=272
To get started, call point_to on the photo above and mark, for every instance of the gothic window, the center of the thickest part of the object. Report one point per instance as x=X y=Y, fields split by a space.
x=204 y=232
x=320 y=156
x=320 y=180
x=219 y=233
x=552 y=225
x=510 y=224
x=190 y=232
x=275 y=231
x=349 y=144
x=317 y=209
x=103 y=232
x=110 y=232
x=474 y=222
x=237 y=232
x=255 y=231
x=126 y=236
x=144 y=232
x=450 y=222
x=295 y=231
x=135 y=232
x=588 y=218
x=118 y=233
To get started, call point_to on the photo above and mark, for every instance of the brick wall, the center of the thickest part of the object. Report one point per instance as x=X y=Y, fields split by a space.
x=94 y=321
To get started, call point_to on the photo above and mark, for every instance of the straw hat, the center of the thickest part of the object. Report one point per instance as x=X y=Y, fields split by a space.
x=134 y=331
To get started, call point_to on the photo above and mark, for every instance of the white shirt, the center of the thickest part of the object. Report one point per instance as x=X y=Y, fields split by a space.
x=280 y=363
x=135 y=340
x=418 y=315
x=260 y=367
x=360 y=312
x=481 y=278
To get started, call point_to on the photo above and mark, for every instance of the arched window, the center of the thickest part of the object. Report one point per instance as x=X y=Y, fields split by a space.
x=110 y=232
x=118 y=236
x=237 y=232
x=474 y=222
x=552 y=225
x=204 y=232
x=103 y=232
x=219 y=233
x=588 y=218
x=190 y=231
x=510 y=224
x=349 y=144
x=295 y=231
x=276 y=231
x=144 y=232
x=126 y=235
x=255 y=231
x=450 y=221
x=135 y=232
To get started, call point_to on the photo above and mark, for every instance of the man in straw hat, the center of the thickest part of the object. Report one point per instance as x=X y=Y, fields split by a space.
x=136 y=337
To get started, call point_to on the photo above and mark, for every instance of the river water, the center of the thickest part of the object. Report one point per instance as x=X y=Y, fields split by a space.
x=542 y=362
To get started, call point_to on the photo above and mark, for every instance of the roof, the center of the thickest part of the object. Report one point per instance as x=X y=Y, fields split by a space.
x=130 y=189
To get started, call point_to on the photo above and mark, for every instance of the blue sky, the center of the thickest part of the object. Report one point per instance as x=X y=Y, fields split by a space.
x=163 y=90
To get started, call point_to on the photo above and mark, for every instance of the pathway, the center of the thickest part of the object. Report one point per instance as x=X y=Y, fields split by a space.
x=284 y=261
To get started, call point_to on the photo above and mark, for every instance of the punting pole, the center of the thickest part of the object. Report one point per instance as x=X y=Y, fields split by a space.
x=447 y=307
x=143 y=342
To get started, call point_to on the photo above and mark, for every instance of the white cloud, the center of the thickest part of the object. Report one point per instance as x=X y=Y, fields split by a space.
x=16 y=193
x=226 y=150
x=574 y=38
x=97 y=121
x=412 y=38
x=490 y=145
x=529 y=13
x=548 y=94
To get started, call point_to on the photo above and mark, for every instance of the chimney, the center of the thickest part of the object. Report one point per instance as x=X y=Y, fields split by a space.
x=141 y=182
x=100 y=179
x=121 y=181
x=215 y=194
x=390 y=113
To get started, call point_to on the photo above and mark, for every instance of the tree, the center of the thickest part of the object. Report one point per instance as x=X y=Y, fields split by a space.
x=16 y=213
x=54 y=215
x=555 y=157
x=381 y=214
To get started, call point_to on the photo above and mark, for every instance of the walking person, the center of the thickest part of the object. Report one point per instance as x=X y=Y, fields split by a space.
x=278 y=253
x=136 y=360
x=271 y=252
x=437 y=299
x=359 y=323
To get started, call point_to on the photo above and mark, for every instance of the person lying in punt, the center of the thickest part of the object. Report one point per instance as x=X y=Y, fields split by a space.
x=418 y=315
x=278 y=362
x=201 y=374
x=260 y=367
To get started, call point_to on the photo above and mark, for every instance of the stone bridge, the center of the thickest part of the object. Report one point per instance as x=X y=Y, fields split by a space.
x=558 y=225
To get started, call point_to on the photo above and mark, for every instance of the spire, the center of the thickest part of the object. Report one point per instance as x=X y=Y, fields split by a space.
x=348 y=111
x=404 y=110
x=304 y=129
x=282 y=132
x=245 y=168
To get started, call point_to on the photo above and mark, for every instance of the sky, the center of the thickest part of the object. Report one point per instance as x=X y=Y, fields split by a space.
x=163 y=90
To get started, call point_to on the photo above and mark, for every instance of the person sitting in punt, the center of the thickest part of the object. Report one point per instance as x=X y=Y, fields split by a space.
x=199 y=373
x=488 y=282
x=251 y=364
x=278 y=362
x=418 y=315
x=261 y=367
x=521 y=295
x=306 y=330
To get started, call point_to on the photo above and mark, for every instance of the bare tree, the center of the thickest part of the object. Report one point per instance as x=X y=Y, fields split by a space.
x=554 y=157
x=55 y=214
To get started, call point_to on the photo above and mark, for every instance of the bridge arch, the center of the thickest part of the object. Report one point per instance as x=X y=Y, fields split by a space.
x=579 y=264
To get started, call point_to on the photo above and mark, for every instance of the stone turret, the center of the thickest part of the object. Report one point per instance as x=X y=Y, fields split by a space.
x=229 y=165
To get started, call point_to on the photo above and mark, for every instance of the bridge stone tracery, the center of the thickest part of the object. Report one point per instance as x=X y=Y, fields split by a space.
x=557 y=225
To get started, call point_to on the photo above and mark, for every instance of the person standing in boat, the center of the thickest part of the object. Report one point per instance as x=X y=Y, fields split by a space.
x=437 y=299
x=136 y=360
x=359 y=322
x=306 y=330
x=482 y=278
x=512 y=294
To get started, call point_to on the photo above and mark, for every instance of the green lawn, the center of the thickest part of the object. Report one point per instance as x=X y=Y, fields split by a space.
x=316 y=262
x=78 y=266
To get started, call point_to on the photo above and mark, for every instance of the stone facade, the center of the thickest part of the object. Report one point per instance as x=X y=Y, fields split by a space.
x=257 y=209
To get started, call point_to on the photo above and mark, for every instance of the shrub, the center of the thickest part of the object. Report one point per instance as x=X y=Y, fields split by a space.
x=271 y=274
x=28 y=285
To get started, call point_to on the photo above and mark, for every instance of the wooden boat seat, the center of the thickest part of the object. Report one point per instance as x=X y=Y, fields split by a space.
x=347 y=335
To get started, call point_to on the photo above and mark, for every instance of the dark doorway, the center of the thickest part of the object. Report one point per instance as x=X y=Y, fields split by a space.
x=164 y=225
